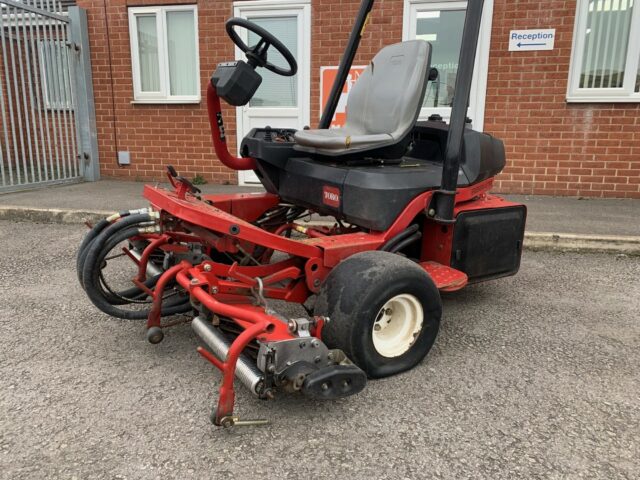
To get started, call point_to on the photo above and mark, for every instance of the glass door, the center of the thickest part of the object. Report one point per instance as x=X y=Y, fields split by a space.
x=279 y=101
x=441 y=24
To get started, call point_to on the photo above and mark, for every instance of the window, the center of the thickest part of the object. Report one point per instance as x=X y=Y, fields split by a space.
x=276 y=90
x=164 y=54
x=605 y=62
x=441 y=22
x=443 y=30
x=55 y=74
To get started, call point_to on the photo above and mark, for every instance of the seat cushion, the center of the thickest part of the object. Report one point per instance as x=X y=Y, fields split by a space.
x=339 y=139
x=382 y=106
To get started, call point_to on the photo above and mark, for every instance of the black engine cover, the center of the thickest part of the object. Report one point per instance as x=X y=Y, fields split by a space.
x=370 y=192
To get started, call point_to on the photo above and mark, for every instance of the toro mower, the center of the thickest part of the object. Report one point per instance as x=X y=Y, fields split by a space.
x=411 y=216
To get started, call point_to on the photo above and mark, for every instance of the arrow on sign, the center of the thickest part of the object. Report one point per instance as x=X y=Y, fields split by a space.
x=520 y=45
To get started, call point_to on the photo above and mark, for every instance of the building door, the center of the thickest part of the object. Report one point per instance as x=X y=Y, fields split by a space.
x=441 y=23
x=279 y=101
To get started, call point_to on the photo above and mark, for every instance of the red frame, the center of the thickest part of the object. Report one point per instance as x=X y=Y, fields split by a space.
x=223 y=222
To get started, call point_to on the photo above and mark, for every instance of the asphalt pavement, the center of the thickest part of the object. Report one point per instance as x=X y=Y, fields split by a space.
x=533 y=376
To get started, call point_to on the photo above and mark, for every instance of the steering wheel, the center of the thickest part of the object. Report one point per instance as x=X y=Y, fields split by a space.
x=257 y=54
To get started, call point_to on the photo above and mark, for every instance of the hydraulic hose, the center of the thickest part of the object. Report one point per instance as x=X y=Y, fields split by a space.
x=91 y=277
x=110 y=230
x=132 y=294
x=86 y=241
x=406 y=242
x=95 y=231
x=387 y=247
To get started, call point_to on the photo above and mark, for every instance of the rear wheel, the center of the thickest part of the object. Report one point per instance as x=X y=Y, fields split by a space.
x=384 y=312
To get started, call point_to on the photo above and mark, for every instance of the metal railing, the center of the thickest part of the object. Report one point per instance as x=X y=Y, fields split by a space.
x=41 y=70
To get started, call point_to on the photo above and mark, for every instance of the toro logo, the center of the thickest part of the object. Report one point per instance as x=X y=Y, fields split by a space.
x=331 y=196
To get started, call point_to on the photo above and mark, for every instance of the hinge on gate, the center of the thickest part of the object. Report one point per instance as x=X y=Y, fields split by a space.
x=84 y=156
x=74 y=45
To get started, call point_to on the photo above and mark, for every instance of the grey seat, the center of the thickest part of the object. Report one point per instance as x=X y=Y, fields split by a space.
x=382 y=106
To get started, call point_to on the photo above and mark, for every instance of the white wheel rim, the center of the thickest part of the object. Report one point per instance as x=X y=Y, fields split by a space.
x=397 y=325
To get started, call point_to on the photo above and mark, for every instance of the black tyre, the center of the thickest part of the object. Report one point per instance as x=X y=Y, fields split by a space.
x=384 y=312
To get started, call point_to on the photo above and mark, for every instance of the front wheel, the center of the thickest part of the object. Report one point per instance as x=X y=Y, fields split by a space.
x=384 y=312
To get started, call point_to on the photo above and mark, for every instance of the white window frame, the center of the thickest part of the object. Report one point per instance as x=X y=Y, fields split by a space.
x=575 y=94
x=481 y=68
x=163 y=95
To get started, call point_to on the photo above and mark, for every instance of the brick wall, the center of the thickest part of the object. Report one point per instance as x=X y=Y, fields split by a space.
x=155 y=135
x=553 y=147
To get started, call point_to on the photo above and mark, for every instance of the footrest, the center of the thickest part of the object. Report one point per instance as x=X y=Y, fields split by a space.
x=447 y=279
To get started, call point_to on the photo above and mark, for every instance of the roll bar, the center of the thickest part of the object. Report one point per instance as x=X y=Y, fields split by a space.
x=444 y=199
x=346 y=62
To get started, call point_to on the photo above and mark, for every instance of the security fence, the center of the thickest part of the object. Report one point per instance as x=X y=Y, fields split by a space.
x=46 y=97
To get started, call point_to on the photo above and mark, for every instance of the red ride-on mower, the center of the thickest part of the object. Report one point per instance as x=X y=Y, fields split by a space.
x=412 y=212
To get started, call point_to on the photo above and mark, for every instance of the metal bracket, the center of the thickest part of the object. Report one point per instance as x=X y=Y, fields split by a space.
x=275 y=357
x=228 y=422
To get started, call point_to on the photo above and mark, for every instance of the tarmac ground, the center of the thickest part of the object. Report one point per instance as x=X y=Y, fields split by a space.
x=532 y=376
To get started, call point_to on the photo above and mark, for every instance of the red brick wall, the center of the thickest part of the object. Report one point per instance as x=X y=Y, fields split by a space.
x=553 y=147
x=155 y=135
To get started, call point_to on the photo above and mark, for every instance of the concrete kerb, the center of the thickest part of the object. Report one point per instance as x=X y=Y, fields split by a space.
x=51 y=215
x=540 y=241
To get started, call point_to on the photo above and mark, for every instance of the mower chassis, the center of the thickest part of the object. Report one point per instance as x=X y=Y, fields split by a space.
x=240 y=293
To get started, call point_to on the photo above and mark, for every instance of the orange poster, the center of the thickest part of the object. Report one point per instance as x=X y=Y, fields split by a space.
x=327 y=77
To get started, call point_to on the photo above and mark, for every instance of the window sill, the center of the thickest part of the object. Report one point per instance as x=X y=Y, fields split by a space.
x=194 y=101
x=602 y=99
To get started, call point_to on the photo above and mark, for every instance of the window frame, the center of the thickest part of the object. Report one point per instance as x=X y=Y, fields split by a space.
x=481 y=70
x=164 y=94
x=627 y=93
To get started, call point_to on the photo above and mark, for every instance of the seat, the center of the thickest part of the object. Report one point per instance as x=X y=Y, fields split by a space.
x=382 y=106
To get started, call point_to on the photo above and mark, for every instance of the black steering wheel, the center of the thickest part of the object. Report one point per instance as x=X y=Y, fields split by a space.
x=257 y=54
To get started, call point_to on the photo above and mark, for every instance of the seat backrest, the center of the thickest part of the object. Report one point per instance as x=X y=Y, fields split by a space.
x=388 y=95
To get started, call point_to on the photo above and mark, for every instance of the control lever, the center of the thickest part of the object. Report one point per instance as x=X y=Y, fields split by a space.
x=184 y=186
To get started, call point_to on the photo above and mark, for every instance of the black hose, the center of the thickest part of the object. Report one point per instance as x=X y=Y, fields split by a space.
x=399 y=237
x=104 y=234
x=90 y=237
x=406 y=242
x=86 y=241
x=130 y=295
x=91 y=276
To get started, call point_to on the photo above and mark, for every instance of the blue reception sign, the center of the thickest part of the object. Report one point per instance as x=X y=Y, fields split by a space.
x=526 y=40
